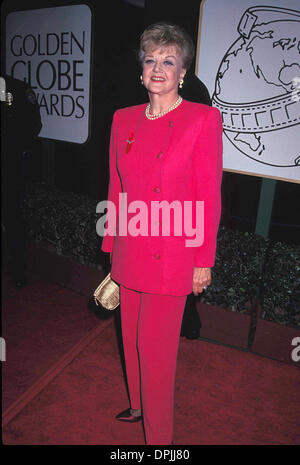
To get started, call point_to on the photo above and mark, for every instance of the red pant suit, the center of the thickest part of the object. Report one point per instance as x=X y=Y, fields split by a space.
x=175 y=157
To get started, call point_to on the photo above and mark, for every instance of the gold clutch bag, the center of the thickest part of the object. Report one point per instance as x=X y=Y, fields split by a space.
x=107 y=294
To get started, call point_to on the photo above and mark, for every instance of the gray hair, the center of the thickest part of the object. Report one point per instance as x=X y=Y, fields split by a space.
x=164 y=34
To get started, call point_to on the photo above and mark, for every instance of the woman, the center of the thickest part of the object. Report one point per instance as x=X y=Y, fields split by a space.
x=168 y=150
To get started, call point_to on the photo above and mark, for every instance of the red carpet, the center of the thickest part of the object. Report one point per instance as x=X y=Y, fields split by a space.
x=40 y=324
x=223 y=396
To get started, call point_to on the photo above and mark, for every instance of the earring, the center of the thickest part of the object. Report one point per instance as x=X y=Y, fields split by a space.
x=180 y=83
x=141 y=78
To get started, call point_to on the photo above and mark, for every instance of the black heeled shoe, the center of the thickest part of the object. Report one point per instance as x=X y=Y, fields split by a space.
x=126 y=415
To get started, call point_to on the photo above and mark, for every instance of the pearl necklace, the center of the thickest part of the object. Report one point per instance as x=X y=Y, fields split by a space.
x=159 y=115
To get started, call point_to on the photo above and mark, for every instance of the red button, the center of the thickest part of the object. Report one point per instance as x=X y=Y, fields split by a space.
x=156 y=189
x=159 y=155
x=157 y=256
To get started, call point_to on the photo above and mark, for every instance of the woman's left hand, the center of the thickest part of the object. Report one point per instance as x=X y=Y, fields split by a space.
x=201 y=279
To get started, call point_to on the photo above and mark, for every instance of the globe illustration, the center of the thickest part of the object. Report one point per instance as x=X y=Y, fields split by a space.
x=257 y=87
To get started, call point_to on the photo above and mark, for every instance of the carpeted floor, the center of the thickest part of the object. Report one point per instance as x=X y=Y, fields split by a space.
x=223 y=395
x=40 y=323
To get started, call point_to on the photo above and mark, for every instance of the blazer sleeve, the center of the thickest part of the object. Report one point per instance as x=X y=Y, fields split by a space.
x=114 y=187
x=208 y=166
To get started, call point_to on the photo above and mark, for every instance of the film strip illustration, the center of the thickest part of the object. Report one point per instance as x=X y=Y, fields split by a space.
x=270 y=115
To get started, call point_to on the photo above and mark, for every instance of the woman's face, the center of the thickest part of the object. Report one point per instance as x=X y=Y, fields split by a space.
x=162 y=70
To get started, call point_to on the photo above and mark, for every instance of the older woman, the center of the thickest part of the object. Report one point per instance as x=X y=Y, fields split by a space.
x=166 y=153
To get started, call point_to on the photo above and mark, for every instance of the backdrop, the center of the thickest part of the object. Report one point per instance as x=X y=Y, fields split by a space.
x=249 y=58
x=50 y=48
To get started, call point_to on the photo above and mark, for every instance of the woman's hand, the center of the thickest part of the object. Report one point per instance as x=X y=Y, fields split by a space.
x=201 y=279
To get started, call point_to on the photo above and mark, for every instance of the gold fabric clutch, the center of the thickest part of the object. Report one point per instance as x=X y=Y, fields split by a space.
x=107 y=294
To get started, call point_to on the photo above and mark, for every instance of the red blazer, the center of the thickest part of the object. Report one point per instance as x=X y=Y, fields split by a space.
x=175 y=157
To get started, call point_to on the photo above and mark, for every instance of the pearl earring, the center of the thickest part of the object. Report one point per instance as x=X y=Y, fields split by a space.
x=141 y=78
x=180 y=83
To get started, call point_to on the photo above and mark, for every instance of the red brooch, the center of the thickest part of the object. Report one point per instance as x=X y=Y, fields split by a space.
x=129 y=141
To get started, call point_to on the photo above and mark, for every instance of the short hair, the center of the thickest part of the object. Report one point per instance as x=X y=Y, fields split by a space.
x=164 y=34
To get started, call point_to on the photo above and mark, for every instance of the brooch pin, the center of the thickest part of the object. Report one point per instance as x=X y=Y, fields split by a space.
x=129 y=141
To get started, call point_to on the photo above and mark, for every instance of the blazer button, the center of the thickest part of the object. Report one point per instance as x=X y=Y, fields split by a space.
x=156 y=189
x=157 y=256
x=159 y=155
x=171 y=124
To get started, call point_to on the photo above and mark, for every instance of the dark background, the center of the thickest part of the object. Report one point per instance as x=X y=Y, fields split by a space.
x=115 y=83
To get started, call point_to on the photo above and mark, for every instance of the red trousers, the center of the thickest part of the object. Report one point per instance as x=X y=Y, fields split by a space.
x=151 y=325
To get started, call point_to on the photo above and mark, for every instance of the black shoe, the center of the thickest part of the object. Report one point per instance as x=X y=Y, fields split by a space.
x=126 y=415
